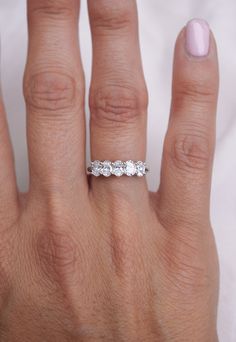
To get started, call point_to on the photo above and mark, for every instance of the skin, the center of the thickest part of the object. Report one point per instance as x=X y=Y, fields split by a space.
x=103 y=259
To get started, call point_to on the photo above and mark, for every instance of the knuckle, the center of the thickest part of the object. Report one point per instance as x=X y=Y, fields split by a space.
x=111 y=18
x=186 y=270
x=50 y=91
x=190 y=279
x=57 y=252
x=198 y=93
x=54 y=9
x=117 y=106
x=190 y=151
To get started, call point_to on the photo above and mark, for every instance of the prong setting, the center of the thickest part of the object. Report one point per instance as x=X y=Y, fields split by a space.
x=117 y=168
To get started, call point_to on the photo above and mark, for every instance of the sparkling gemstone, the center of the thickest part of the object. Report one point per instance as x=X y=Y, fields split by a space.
x=106 y=168
x=130 y=168
x=118 y=168
x=140 y=169
x=96 y=168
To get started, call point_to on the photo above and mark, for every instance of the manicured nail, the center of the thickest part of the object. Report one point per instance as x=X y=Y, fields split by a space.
x=197 y=37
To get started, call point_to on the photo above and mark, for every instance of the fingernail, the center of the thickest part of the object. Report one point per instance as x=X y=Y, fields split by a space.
x=197 y=38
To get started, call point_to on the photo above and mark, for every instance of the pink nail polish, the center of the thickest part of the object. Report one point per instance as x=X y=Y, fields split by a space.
x=197 y=37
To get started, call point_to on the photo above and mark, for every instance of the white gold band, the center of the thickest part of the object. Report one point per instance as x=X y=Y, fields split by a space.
x=117 y=168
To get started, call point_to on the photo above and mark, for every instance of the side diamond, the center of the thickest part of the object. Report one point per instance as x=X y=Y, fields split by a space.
x=96 y=168
x=106 y=168
x=130 y=168
x=140 y=169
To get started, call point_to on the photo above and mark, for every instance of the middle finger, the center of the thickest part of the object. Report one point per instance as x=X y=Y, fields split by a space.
x=54 y=92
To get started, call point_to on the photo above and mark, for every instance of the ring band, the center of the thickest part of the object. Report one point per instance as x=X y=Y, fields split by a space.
x=117 y=168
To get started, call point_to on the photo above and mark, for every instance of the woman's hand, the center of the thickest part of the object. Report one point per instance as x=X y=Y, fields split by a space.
x=105 y=260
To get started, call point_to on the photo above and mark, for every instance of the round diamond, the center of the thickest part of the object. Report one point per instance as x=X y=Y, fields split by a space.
x=140 y=169
x=118 y=168
x=106 y=168
x=96 y=168
x=130 y=168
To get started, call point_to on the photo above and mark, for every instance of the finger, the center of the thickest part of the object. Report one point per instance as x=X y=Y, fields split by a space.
x=54 y=92
x=189 y=144
x=8 y=187
x=118 y=97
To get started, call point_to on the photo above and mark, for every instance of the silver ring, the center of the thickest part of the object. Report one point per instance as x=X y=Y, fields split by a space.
x=117 y=168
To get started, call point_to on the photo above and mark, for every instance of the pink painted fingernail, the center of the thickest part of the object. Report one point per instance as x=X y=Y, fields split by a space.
x=197 y=37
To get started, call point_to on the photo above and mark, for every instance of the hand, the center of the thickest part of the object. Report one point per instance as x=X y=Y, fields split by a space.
x=105 y=260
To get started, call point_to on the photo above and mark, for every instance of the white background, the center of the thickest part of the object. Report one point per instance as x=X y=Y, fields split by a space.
x=160 y=22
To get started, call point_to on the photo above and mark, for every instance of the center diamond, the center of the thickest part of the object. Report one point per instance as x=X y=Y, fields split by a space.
x=118 y=168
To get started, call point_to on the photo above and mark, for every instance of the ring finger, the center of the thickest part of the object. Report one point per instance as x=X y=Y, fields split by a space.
x=118 y=96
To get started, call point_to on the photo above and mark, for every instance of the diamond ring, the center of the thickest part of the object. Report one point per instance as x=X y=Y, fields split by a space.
x=117 y=168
